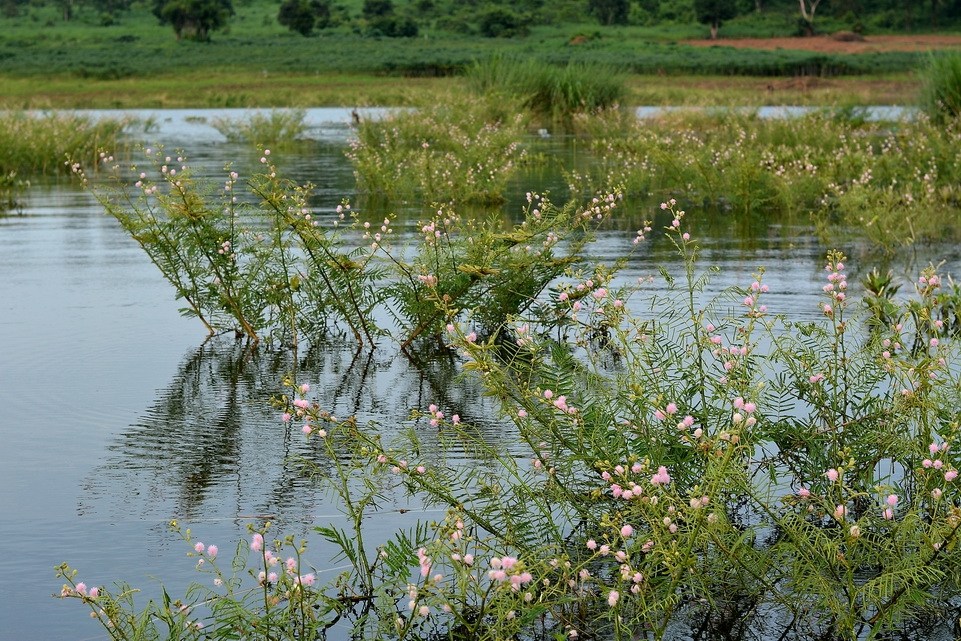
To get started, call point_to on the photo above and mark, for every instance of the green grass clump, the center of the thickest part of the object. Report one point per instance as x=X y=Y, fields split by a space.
x=941 y=88
x=551 y=92
x=40 y=145
x=460 y=149
x=278 y=127
x=893 y=182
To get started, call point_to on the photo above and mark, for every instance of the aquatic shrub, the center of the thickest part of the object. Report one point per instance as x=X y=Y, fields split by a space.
x=254 y=261
x=277 y=128
x=941 y=87
x=686 y=459
x=552 y=93
x=481 y=271
x=460 y=149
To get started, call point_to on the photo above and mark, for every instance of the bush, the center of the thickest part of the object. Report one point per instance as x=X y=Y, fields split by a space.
x=941 y=87
x=499 y=22
x=302 y=16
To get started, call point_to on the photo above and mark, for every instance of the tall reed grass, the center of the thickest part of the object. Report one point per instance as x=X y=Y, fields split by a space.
x=40 y=144
x=551 y=92
x=941 y=87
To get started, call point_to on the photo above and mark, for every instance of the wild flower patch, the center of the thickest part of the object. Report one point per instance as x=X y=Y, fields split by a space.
x=697 y=458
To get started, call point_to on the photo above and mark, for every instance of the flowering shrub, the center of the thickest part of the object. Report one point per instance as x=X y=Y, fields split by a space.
x=711 y=464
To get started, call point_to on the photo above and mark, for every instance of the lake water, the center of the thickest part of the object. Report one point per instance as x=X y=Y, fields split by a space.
x=117 y=417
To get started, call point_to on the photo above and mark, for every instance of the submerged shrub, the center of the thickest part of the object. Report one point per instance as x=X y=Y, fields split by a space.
x=689 y=459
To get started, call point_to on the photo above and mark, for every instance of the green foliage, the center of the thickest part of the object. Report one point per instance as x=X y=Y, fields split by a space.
x=609 y=12
x=481 y=272
x=550 y=92
x=38 y=144
x=893 y=183
x=688 y=455
x=194 y=19
x=277 y=128
x=254 y=263
x=501 y=22
x=303 y=15
x=459 y=149
x=941 y=87
x=714 y=12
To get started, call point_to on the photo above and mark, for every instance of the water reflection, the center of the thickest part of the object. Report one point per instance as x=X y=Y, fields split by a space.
x=210 y=446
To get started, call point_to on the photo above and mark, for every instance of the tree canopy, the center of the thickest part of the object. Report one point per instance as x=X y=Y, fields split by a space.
x=194 y=19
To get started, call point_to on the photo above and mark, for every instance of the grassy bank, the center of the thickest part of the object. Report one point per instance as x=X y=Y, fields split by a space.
x=206 y=88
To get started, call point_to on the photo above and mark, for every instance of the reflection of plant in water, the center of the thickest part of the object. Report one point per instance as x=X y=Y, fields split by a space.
x=707 y=462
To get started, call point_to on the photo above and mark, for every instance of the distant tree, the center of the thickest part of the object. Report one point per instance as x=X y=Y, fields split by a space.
x=808 y=7
x=714 y=12
x=500 y=22
x=303 y=16
x=391 y=26
x=194 y=19
x=609 y=12
x=377 y=8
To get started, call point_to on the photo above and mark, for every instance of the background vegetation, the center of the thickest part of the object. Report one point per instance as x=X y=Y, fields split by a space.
x=96 y=40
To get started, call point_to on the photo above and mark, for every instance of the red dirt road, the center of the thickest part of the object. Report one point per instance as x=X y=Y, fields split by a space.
x=830 y=44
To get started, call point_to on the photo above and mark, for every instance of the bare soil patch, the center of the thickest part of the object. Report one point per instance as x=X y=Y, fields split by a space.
x=829 y=44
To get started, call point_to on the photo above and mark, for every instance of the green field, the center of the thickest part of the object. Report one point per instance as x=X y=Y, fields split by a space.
x=128 y=59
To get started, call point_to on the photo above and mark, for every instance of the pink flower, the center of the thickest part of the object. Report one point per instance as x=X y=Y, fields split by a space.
x=892 y=500
x=94 y=592
x=591 y=544
x=627 y=531
x=612 y=598
x=257 y=542
x=212 y=550
x=671 y=408
x=832 y=475
x=950 y=475
x=199 y=547
x=662 y=477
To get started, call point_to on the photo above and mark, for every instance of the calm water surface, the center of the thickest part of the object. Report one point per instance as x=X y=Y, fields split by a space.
x=116 y=416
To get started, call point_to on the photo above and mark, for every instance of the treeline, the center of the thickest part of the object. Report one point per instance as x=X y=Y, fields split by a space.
x=196 y=19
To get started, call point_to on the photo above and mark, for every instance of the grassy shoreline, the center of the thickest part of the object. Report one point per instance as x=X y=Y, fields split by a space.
x=209 y=88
